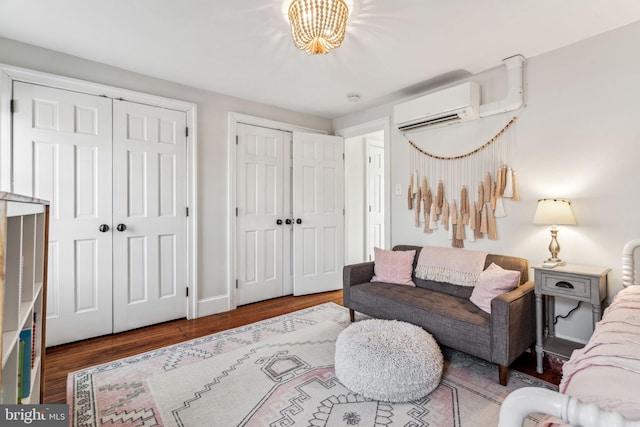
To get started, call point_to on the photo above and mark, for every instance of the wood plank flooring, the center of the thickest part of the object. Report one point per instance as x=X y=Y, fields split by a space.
x=61 y=360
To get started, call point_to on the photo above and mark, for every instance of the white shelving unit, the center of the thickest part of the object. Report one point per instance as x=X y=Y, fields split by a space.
x=24 y=228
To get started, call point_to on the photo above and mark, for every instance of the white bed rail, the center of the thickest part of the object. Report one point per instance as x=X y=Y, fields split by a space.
x=524 y=401
x=628 y=263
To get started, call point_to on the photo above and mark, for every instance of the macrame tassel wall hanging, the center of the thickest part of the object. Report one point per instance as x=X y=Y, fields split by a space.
x=451 y=203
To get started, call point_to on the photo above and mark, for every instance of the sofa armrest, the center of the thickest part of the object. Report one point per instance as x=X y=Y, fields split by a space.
x=355 y=274
x=513 y=323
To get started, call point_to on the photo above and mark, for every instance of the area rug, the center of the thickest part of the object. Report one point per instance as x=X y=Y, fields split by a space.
x=278 y=372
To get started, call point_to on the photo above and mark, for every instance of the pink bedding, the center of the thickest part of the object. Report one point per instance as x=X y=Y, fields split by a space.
x=606 y=371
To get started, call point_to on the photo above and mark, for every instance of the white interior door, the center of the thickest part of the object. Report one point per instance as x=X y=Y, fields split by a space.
x=318 y=211
x=149 y=215
x=375 y=198
x=62 y=153
x=263 y=160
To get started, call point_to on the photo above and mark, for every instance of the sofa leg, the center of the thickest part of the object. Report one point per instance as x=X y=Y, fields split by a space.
x=503 y=372
x=352 y=315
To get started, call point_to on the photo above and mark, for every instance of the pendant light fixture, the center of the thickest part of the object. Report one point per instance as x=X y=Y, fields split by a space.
x=318 y=26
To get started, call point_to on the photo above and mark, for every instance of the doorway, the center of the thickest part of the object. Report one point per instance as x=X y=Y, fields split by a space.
x=365 y=207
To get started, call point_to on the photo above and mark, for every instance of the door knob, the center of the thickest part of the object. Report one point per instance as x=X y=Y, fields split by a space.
x=121 y=227
x=299 y=221
x=103 y=228
x=287 y=221
x=279 y=222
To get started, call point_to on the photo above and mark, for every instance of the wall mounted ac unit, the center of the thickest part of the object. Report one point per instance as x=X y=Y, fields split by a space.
x=451 y=105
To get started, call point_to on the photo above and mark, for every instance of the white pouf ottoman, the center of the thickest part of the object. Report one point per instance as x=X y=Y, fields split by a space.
x=388 y=360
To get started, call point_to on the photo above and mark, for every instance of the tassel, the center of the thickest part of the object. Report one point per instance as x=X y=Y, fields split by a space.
x=426 y=228
x=457 y=243
x=439 y=198
x=472 y=217
x=493 y=196
x=503 y=181
x=484 y=222
x=480 y=194
x=460 y=234
x=472 y=224
x=477 y=233
x=508 y=185
x=454 y=213
x=516 y=191
x=499 y=212
x=464 y=201
x=433 y=225
x=428 y=200
x=410 y=197
x=424 y=188
x=418 y=199
x=493 y=233
x=445 y=215
x=487 y=187
x=451 y=229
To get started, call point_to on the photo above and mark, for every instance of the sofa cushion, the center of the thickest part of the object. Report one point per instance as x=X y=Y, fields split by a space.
x=393 y=266
x=492 y=282
x=453 y=321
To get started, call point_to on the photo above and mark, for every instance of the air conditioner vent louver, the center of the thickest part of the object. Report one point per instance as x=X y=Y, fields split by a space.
x=451 y=105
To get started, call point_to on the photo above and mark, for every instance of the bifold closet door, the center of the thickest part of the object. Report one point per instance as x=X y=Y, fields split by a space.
x=149 y=215
x=115 y=174
x=263 y=171
x=62 y=153
x=318 y=211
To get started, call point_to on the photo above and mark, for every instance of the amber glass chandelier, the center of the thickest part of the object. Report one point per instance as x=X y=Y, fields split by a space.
x=317 y=26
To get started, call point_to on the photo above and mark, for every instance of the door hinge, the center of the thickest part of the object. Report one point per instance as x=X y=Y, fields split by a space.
x=186 y=131
x=236 y=283
x=187 y=210
x=369 y=208
x=236 y=139
x=187 y=291
x=369 y=159
x=12 y=105
x=236 y=211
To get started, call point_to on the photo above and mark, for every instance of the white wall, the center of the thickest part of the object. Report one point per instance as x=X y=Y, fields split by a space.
x=213 y=180
x=578 y=137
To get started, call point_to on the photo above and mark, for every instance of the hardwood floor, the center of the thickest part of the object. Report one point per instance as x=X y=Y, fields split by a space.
x=61 y=360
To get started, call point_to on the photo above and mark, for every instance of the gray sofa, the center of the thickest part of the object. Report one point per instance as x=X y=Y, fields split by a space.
x=444 y=310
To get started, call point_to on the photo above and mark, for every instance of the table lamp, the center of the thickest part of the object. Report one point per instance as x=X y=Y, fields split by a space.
x=554 y=212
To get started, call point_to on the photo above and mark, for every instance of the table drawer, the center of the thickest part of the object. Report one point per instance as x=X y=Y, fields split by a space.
x=561 y=285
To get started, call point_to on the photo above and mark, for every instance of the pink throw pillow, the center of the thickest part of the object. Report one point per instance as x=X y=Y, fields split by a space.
x=393 y=266
x=492 y=282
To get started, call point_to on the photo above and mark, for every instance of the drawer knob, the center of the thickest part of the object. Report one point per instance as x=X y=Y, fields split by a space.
x=564 y=284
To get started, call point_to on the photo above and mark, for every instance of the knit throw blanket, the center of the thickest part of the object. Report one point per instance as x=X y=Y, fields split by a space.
x=450 y=265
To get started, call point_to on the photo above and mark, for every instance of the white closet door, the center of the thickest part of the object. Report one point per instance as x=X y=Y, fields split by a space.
x=62 y=153
x=262 y=198
x=318 y=211
x=149 y=215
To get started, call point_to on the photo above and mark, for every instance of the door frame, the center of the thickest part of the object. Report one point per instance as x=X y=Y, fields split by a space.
x=8 y=74
x=234 y=119
x=382 y=124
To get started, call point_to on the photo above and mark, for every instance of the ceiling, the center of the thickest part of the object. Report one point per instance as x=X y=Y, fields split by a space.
x=243 y=48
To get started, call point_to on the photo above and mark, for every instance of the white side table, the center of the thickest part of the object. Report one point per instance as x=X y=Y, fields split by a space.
x=574 y=282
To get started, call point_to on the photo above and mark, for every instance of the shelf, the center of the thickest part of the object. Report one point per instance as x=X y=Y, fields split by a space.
x=23 y=241
x=560 y=347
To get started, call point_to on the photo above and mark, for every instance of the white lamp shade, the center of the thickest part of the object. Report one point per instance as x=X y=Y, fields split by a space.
x=554 y=212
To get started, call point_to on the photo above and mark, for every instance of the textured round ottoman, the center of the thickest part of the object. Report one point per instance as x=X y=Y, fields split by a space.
x=388 y=360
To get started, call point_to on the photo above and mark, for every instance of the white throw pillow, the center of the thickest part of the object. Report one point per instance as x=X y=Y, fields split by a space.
x=492 y=282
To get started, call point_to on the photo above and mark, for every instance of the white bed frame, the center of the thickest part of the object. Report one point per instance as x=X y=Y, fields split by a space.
x=522 y=402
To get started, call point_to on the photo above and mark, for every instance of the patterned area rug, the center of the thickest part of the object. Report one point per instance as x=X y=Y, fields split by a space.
x=278 y=372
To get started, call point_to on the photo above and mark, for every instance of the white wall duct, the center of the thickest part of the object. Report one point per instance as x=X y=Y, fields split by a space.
x=515 y=89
